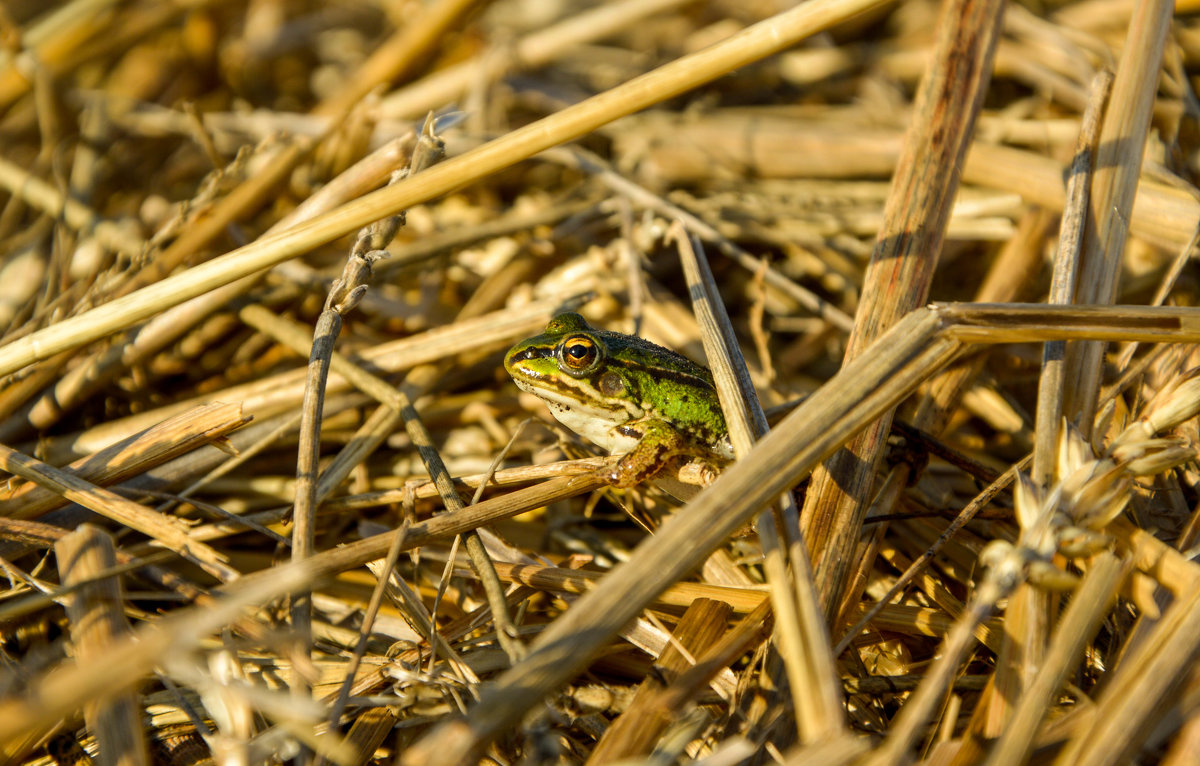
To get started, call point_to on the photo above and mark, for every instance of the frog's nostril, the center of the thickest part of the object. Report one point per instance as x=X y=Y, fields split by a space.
x=513 y=358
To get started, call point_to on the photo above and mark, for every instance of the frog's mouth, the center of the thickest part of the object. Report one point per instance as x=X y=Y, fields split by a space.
x=576 y=395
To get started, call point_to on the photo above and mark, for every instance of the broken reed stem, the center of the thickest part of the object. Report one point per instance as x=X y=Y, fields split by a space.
x=97 y=615
x=902 y=264
x=1051 y=383
x=803 y=640
x=1114 y=185
x=157 y=445
x=166 y=531
x=751 y=44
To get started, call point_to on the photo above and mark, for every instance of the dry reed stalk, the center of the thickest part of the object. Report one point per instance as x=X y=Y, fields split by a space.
x=97 y=624
x=803 y=639
x=130 y=457
x=751 y=44
x=1114 y=186
x=164 y=530
x=775 y=147
x=1051 y=384
x=897 y=279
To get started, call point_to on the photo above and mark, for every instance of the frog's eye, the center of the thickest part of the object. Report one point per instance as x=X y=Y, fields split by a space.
x=578 y=354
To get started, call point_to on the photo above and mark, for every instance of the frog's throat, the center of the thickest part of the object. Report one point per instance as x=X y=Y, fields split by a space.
x=578 y=396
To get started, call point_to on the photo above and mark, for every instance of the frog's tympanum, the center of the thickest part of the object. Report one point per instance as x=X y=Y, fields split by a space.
x=627 y=395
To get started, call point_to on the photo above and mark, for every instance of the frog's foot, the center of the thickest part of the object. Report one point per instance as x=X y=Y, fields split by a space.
x=656 y=449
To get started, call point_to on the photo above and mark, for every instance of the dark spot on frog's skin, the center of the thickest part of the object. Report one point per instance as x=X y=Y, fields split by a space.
x=611 y=384
x=629 y=431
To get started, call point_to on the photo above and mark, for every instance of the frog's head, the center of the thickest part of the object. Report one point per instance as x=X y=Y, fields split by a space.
x=568 y=366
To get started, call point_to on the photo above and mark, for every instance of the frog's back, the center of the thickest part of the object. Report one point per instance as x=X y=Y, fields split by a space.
x=671 y=386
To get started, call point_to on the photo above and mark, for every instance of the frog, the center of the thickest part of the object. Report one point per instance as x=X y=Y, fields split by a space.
x=655 y=408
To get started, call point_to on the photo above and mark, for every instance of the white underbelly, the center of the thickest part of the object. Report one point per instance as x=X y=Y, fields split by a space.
x=596 y=424
x=602 y=432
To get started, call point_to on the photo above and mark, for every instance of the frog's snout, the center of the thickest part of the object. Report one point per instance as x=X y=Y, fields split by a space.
x=520 y=353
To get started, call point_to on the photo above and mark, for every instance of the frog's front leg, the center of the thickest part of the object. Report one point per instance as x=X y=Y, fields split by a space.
x=659 y=443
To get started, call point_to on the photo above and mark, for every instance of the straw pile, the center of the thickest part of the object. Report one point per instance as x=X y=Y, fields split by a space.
x=270 y=494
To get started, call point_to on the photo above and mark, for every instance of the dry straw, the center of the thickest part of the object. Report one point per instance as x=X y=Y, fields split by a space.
x=992 y=562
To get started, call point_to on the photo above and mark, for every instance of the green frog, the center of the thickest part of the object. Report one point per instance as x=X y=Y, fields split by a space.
x=632 y=397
